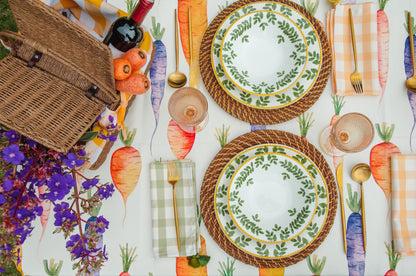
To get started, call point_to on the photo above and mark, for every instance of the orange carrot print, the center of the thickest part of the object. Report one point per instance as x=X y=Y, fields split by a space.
x=193 y=265
x=380 y=157
x=199 y=25
x=180 y=141
x=274 y=271
x=125 y=168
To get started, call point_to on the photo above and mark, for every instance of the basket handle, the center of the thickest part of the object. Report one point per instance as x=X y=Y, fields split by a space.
x=6 y=35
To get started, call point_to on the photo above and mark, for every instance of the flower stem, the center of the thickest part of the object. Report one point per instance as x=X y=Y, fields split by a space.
x=78 y=210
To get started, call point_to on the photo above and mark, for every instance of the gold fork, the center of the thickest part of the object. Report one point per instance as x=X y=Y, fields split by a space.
x=356 y=79
x=173 y=178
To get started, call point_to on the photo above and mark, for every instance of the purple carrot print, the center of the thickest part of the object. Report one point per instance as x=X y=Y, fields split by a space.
x=408 y=67
x=157 y=73
x=355 y=242
x=255 y=127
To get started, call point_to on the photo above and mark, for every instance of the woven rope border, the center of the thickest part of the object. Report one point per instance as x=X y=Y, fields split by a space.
x=255 y=115
x=225 y=155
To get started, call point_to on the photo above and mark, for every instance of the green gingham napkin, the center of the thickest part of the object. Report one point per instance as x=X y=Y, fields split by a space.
x=163 y=218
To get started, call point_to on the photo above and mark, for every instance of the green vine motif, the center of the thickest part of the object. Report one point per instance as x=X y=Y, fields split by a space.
x=280 y=250
x=272 y=159
x=243 y=176
x=270 y=89
x=258 y=18
x=300 y=219
x=312 y=229
x=244 y=39
x=222 y=191
x=237 y=75
x=270 y=6
x=280 y=39
x=310 y=74
x=311 y=38
x=271 y=236
x=280 y=74
x=321 y=192
x=279 y=150
x=293 y=169
x=271 y=18
x=302 y=23
x=222 y=209
x=230 y=228
x=300 y=47
x=242 y=241
x=300 y=158
x=241 y=159
x=250 y=225
x=228 y=59
x=262 y=150
x=300 y=61
x=234 y=17
x=298 y=89
x=227 y=46
x=288 y=78
x=248 y=9
x=220 y=34
x=220 y=71
x=289 y=31
x=321 y=209
x=229 y=171
x=292 y=212
x=263 y=101
x=262 y=250
x=284 y=234
x=286 y=176
x=299 y=242
x=246 y=97
x=241 y=28
x=312 y=170
x=228 y=85
x=286 y=11
x=235 y=209
x=315 y=57
x=216 y=49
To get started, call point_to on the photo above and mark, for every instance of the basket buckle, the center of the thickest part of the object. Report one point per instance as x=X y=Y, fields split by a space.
x=92 y=91
x=35 y=58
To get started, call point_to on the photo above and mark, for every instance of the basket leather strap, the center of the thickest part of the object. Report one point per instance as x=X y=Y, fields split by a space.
x=6 y=35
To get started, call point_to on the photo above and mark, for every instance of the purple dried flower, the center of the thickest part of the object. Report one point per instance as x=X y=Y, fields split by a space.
x=2 y=199
x=12 y=154
x=7 y=185
x=72 y=161
x=88 y=184
x=106 y=191
x=12 y=135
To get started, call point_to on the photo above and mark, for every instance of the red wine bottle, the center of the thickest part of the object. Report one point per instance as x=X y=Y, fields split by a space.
x=126 y=33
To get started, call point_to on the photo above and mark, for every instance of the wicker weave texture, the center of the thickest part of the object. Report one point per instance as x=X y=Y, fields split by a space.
x=255 y=115
x=218 y=164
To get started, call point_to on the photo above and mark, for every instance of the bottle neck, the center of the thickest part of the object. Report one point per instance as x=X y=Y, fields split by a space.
x=141 y=10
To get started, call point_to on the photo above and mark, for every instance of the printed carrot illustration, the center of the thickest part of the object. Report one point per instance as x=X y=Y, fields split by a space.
x=222 y=135
x=52 y=268
x=355 y=243
x=305 y=122
x=337 y=155
x=316 y=266
x=380 y=157
x=227 y=269
x=193 y=265
x=125 y=168
x=383 y=39
x=408 y=67
x=394 y=258
x=180 y=141
x=128 y=257
x=46 y=206
x=275 y=271
x=199 y=26
x=157 y=73
x=255 y=127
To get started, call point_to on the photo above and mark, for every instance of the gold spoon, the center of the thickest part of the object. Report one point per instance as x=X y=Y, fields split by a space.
x=176 y=79
x=411 y=82
x=361 y=173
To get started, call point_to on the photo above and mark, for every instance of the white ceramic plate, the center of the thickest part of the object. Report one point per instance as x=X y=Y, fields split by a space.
x=289 y=83
x=264 y=52
x=284 y=246
x=271 y=194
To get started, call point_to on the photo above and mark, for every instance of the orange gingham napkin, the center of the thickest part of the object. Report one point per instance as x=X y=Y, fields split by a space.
x=339 y=33
x=403 y=203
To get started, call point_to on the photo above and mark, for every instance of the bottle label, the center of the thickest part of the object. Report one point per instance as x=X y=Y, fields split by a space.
x=141 y=10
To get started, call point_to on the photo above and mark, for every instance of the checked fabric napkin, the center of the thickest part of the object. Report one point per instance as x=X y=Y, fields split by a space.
x=339 y=34
x=403 y=203
x=163 y=219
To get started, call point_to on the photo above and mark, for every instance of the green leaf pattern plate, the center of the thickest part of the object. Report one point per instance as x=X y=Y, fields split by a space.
x=264 y=52
x=282 y=243
x=289 y=83
x=272 y=197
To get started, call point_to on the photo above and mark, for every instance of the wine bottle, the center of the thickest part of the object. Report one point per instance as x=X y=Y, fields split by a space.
x=125 y=32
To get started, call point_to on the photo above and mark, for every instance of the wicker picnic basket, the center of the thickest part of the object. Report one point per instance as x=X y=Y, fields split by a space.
x=57 y=78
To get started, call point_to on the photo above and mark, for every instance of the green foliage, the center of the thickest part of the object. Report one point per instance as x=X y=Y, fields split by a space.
x=52 y=268
x=227 y=269
x=222 y=135
x=316 y=265
x=128 y=256
x=6 y=23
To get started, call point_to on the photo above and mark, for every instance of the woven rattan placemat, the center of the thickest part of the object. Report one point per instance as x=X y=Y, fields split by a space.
x=255 y=115
x=218 y=164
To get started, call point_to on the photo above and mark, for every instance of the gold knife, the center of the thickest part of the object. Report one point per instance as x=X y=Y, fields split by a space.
x=341 y=197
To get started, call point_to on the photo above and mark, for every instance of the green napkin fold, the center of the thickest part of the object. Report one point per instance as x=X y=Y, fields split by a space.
x=163 y=218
